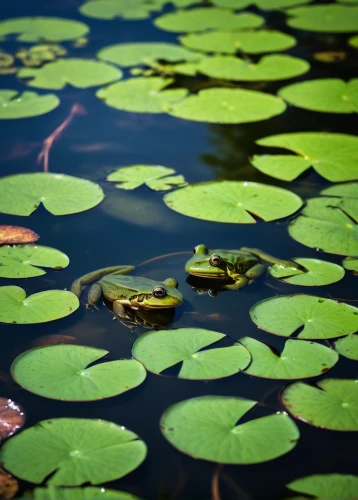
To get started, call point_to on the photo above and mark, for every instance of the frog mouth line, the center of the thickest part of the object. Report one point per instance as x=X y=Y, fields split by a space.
x=223 y=275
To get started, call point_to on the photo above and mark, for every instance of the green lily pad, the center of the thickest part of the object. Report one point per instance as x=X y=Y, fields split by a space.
x=16 y=105
x=80 y=73
x=60 y=372
x=155 y=177
x=299 y=359
x=327 y=224
x=141 y=95
x=353 y=41
x=88 y=493
x=348 y=346
x=60 y=194
x=261 y=4
x=315 y=317
x=319 y=273
x=333 y=404
x=127 y=9
x=21 y=261
x=269 y=68
x=327 y=95
x=348 y=190
x=327 y=486
x=133 y=54
x=165 y=348
x=329 y=18
x=74 y=451
x=36 y=308
x=230 y=201
x=206 y=428
x=202 y=18
x=350 y=263
x=36 y=29
x=251 y=42
x=228 y=106
x=334 y=156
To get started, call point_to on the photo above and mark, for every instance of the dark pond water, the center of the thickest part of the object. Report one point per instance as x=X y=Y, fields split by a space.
x=132 y=227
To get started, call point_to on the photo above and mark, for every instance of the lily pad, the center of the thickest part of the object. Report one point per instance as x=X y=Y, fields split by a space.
x=88 y=493
x=348 y=346
x=22 y=261
x=328 y=18
x=141 y=95
x=14 y=235
x=127 y=9
x=350 y=263
x=80 y=73
x=353 y=41
x=202 y=18
x=165 y=348
x=334 y=156
x=319 y=273
x=133 y=54
x=14 y=105
x=312 y=317
x=269 y=68
x=327 y=95
x=261 y=4
x=60 y=194
x=60 y=372
x=333 y=404
x=206 y=428
x=228 y=106
x=12 y=418
x=73 y=451
x=251 y=42
x=231 y=201
x=299 y=359
x=327 y=224
x=327 y=486
x=40 y=307
x=348 y=190
x=155 y=177
x=35 y=29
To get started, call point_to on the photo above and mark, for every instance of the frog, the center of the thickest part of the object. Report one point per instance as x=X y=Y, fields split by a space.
x=241 y=266
x=134 y=292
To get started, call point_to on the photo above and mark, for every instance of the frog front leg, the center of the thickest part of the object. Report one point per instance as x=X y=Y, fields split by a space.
x=240 y=281
x=118 y=310
x=89 y=278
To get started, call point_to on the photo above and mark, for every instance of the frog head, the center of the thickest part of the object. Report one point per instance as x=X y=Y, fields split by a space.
x=206 y=264
x=163 y=294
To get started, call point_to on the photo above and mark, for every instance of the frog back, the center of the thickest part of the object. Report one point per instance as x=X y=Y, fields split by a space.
x=242 y=261
x=125 y=287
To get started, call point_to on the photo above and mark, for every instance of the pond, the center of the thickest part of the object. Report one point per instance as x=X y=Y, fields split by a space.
x=99 y=124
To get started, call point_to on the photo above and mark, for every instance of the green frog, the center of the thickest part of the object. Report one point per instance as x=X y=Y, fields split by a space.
x=241 y=266
x=134 y=292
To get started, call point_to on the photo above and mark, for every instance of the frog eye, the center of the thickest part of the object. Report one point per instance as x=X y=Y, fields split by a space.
x=159 y=292
x=213 y=293
x=215 y=260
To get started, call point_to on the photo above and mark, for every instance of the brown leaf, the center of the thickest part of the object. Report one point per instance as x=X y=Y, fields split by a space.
x=12 y=418
x=52 y=340
x=8 y=485
x=11 y=235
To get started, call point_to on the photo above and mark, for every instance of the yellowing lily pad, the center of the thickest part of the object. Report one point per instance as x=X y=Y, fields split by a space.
x=36 y=29
x=350 y=263
x=141 y=95
x=299 y=359
x=60 y=194
x=40 y=307
x=269 y=68
x=128 y=9
x=334 y=156
x=327 y=486
x=329 y=18
x=87 y=493
x=23 y=261
x=80 y=73
x=348 y=346
x=202 y=18
x=16 y=235
x=155 y=177
x=61 y=372
x=319 y=273
x=231 y=201
x=327 y=95
x=307 y=316
x=251 y=42
x=15 y=105
x=228 y=106
x=73 y=451
x=207 y=428
x=353 y=41
x=133 y=54
x=333 y=404
x=162 y=349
